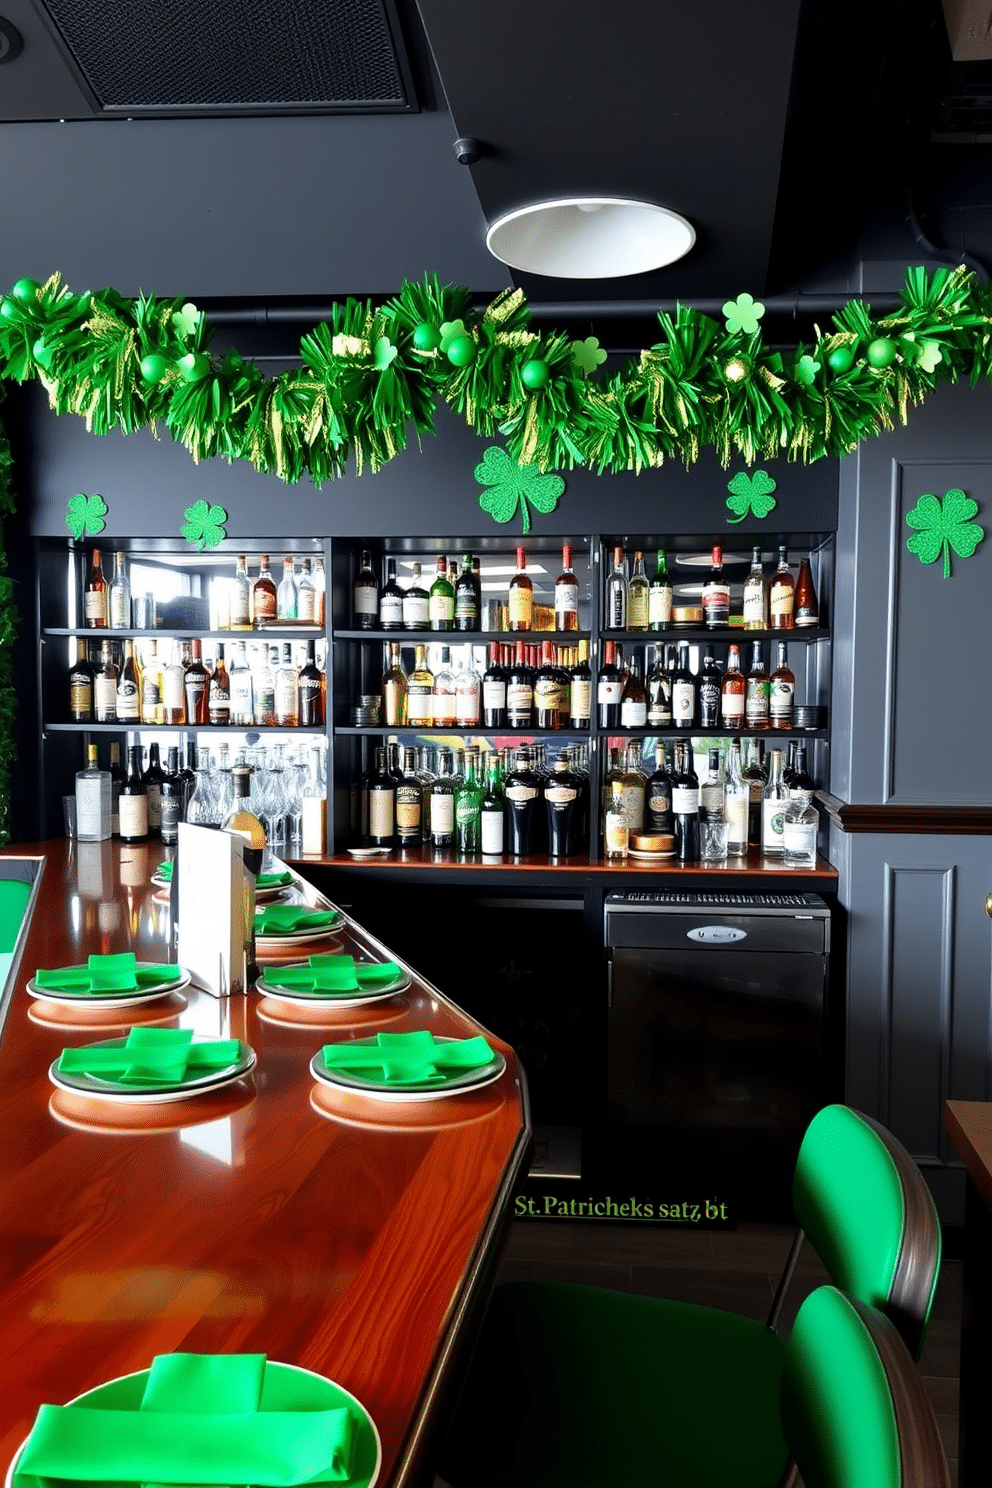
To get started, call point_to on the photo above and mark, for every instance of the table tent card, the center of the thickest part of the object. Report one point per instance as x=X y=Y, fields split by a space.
x=215 y=890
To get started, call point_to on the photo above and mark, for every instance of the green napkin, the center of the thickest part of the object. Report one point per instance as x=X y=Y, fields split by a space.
x=164 y=870
x=103 y=974
x=409 y=1058
x=282 y=919
x=179 y=1435
x=151 y=1057
x=263 y=881
x=332 y=973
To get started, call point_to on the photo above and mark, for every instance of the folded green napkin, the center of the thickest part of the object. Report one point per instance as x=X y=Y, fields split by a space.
x=264 y=880
x=198 y=1423
x=282 y=919
x=409 y=1058
x=102 y=974
x=332 y=973
x=151 y=1057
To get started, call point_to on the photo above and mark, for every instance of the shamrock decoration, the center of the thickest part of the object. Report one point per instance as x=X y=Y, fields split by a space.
x=751 y=493
x=450 y=331
x=806 y=370
x=743 y=314
x=186 y=320
x=384 y=353
x=939 y=528
x=588 y=355
x=510 y=483
x=204 y=524
x=930 y=355
x=85 y=514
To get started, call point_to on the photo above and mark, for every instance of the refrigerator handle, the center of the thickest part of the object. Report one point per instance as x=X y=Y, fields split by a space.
x=609 y=980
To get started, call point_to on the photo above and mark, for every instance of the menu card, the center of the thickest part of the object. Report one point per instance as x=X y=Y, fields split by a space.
x=216 y=905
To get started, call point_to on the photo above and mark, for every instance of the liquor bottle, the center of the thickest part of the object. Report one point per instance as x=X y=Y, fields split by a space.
x=658 y=795
x=566 y=594
x=241 y=713
x=195 y=682
x=782 y=695
x=616 y=832
x=441 y=799
x=395 y=686
x=685 y=805
x=633 y=700
x=239 y=818
x=119 y=595
x=800 y=826
x=716 y=593
x=709 y=690
x=239 y=599
x=658 y=685
x=320 y=590
x=755 y=775
x=393 y=764
x=781 y=600
x=416 y=615
x=311 y=690
x=683 y=691
x=805 y=609
x=712 y=817
x=802 y=781
x=306 y=595
x=468 y=696
x=391 y=600
x=441 y=600
x=81 y=679
x=151 y=687
x=736 y=802
x=660 y=596
x=755 y=595
x=187 y=775
x=468 y=806
x=519 y=691
x=172 y=799
x=287 y=690
x=264 y=686
x=521 y=596
x=562 y=797
x=128 y=703
x=93 y=800
x=609 y=689
x=105 y=687
x=494 y=691
x=638 y=596
x=774 y=799
x=580 y=691
x=365 y=594
x=95 y=594
x=616 y=594
x=491 y=811
x=733 y=692
x=444 y=703
x=219 y=692
x=789 y=768
x=134 y=800
x=632 y=787
x=152 y=780
x=468 y=597
x=116 y=781
x=521 y=791
x=420 y=692
x=550 y=702
x=286 y=593
x=263 y=594
x=757 y=697
x=409 y=802
x=382 y=804
x=174 y=686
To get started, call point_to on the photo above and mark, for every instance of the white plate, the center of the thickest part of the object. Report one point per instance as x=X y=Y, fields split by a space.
x=705 y=560
x=112 y=999
x=457 y=1085
x=299 y=937
x=637 y=853
x=368 y=852
x=93 y=1086
x=334 y=999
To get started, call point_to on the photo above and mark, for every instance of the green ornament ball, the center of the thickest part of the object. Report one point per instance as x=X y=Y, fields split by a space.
x=193 y=366
x=841 y=359
x=42 y=352
x=9 y=309
x=737 y=369
x=534 y=374
x=426 y=338
x=461 y=351
x=27 y=291
x=882 y=353
x=154 y=367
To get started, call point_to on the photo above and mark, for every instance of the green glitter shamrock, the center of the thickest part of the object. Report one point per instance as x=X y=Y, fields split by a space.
x=743 y=314
x=204 y=524
x=186 y=320
x=85 y=514
x=751 y=493
x=588 y=355
x=384 y=353
x=939 y=528
x=511 y=483
x=450 y=329
x=806 y=370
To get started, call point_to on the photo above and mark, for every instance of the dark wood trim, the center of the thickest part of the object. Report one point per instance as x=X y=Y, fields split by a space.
x=924 y=1464
x=929 y=821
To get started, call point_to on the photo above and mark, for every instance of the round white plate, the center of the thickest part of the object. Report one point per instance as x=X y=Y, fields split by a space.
x=93 y=1086
x=705 y=560
x=457 y=1085
x=112 y=999
x=332 y=999
x=368 y=852
x=636 y=853
x=284 y=1387
x=299 y=937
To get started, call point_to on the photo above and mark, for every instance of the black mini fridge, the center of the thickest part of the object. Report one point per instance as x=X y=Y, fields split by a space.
x=715 y=1043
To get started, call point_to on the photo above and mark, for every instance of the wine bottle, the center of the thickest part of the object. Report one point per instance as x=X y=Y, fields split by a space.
x=468 y=597
x=616 y=594
x=716 y=593
x=441 y=798
x=609 y=689
x=491 y=811
x=782 y=685
x=566 y=594
x=441 y=600
x=195 y=682
x=685 y=806
x=382 y=804
x=287 y=690
x=152 y=781
x=134 y=800
x=658 y=795
x=580 y=691
x=562 y=795
x=550 y=703
x=638 y=596
x=709 y=689
x=365 y=594
x=633 y=700
x=520 y=691
x=494 y=691
x=119 y=595
x=416 y=615
x=219 y=692
x=683 y=691
x=660 y=596
x=263 y=593
x=311 y=690
x=733 y=692
x=128 y=688
x=151 y=687
x=805 y=609
x=521 y=791
x=391 y=600
x=781 y=601
x=81 y=680
x=171 y=791
x=774 y=799
x=95 y=605
x=521 y=596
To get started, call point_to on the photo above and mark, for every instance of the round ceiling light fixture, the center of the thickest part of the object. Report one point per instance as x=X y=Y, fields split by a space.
x=590 y=237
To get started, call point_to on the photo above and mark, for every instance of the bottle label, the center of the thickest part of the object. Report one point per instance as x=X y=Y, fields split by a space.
x=609 y=692
x=711 y=799
x=442 y=815
x=443 y=706
x=105 y=697
x=466 y=810
x=173 y=691
x=782 y=698
x=758 y=705
x=660 y=605
x=494 y=696
x=465 y=605
x=638 y=607
x=617 y=834
x=709 y=699
x=120 y=609
x=134 y=816
x=632 y=806
x=736 y=814
x=560 y=795
x=366 y=600
x=127 y=701
x=441 y=607
x=521 y=606
x=805 y=616
x=492 y=831
x=408 y=807
x=519 y=698
x=416 y=612
x=381 y=813
x=781 y=599
x=195 y=688
x=521 y=792
x=633 y=714
x=306 y=605
x=467 y=706
x=732 y=707
x=754 y=604
x=580 y=698
x=89 y=808
x=391 y=609
x=80 y=697
x=685 y=800
x=420 y=705
x=95 y=607
x=772 y=825
x=154 y=805
x=617 y=610
x=547 y=695
x=755 y=789
x=566 y=600
x=683 y=701
x=265 y=604
x=240 y=605
x=716 y=597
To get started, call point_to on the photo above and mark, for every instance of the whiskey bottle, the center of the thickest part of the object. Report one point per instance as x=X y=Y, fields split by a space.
x=658 y=795
x=660 y=596
x=658 y=685
x=782 y=597
x=195 y=681
x=632 y=788
x=391 y=600
x=365 y=594
x=95 y=604
x=81 y=679
x=521 y=596
x=395 y=686
x=716 y=593
x=782 y=696
x=416 y=615
x=441 y=601
x=757 y=704
x=638 y=596
x=119 y=595
x=409 y=802
x=219 y=692
x=172 y=799
x=566 y=594
x=263 y=594
x=616 y=593
x=733 y=691
x=709 y=686
x=420 y=692
x=174 y=686
x=128 y=702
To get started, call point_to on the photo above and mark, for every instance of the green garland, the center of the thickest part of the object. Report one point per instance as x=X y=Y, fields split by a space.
x=371 y=374
x=8 y=632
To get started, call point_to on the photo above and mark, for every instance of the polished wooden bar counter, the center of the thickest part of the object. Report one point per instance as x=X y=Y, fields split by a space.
x=352 y=1237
